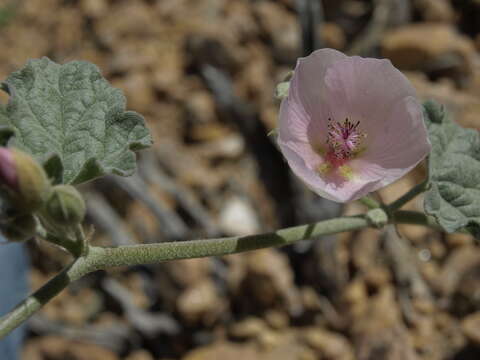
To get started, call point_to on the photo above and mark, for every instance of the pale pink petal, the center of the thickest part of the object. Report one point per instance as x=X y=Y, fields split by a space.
x=403 y=142
x=303 y=161
x=293 y=121
x=365 y=90
x=305 y=97
x=403 y=137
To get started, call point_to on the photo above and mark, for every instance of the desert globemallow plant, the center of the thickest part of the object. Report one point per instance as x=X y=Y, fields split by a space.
x=347 y=127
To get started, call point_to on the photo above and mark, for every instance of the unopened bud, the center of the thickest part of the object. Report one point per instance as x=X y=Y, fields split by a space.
x=65 y=206
x=8 y=173
x=21 y=228
x=24 y=178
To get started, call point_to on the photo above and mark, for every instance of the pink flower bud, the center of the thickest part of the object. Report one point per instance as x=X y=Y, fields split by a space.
x=8 y=172
x=25 y=178
x=350 y=125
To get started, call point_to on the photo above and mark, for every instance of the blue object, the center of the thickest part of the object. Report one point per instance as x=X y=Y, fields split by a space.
x=14 y=266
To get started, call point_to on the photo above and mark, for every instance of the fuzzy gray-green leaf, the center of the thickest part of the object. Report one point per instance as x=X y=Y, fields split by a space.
x=454 y=167
x=71 y=113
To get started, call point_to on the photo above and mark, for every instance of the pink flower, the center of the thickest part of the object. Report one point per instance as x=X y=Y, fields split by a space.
x=350 y=125
x=8 y=172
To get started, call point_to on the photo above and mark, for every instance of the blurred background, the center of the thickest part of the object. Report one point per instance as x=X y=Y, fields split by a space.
x=203 y=73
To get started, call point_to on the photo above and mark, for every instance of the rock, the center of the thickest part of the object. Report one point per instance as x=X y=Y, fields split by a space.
x=138 y=89
x=378 y=329
x=366 y=249
x=238 y=217
x=281 y=27
x=386 y=344
x=201 y=106
x=457 y=240
x=436 y=10
x=187 y=273
x=269 y=340
x=459 y=264
x=57 y=347
x=445 y=54
x=201 y=303
x=287 y=348
x=471 y=327
x=94 y=8
x=328 y=344
x=464 y=105
x=140 y=355
x=332 y=35
x=277 y=319
x=223 y=350
x=230 y=146
x=271 y=281
x=249 y=328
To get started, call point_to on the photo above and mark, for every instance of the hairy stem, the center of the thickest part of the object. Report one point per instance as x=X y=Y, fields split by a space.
x=97 y=258
x=34 y=302
x=411 y=194
x=370 y=202
x=415 y=218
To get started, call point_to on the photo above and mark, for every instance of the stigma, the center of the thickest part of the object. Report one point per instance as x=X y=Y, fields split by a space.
x=344 y=142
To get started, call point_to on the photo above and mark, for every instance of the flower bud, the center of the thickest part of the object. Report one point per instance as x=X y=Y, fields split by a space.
x=65 y=206
x=24 y=178
x=8 y=174
x=21 y=228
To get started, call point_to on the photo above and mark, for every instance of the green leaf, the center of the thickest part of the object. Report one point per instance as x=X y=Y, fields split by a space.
x=70 y=119
x=454 y=168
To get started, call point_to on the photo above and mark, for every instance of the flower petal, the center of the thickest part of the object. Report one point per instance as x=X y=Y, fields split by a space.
x=305 y=98
x=304 y=163
x=403 y=142
x=365 y=90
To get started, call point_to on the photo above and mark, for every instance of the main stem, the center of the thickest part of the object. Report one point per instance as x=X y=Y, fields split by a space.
x=97 y=258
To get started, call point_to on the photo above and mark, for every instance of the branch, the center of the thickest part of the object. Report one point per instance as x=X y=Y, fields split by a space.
x=98 y=258
x=411 y=194
x=34 y=302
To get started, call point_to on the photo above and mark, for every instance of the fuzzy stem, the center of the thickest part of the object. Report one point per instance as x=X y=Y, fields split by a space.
x=34 y=302
x=370 y=202
x=412 y=193
x=415 y=218
x=97 y=258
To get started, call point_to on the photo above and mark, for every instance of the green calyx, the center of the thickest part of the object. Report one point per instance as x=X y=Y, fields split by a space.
x=65 y=206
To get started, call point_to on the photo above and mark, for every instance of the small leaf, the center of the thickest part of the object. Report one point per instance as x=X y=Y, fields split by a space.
x=69 y=114
x=281 y=91
x=454 y=168
x=433 y=111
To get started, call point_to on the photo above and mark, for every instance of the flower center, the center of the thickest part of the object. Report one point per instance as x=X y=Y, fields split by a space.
x=344 y=141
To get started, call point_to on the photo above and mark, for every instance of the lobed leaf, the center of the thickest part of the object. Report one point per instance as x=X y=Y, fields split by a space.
x=454 y=170
x=71 y=120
